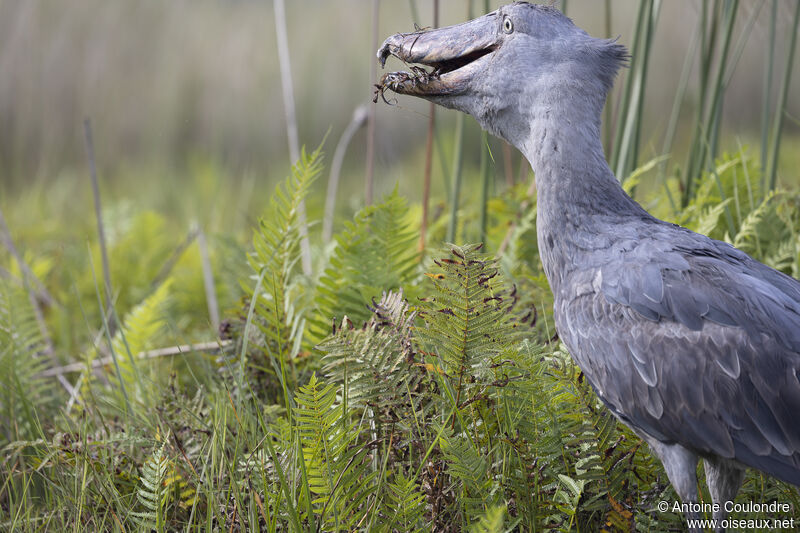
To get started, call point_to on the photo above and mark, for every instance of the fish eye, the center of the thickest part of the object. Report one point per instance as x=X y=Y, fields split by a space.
x=508 y=26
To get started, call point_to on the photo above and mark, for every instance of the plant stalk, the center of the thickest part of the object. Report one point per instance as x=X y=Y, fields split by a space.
x=426 y=184
x=484 y=166
x=777 y=122
x=360 y=116
x=291 y=122
x=208 y=280
x=766 y=103
x=624 y=106
x=452 y=226
x=373 y=74
x=98 y=213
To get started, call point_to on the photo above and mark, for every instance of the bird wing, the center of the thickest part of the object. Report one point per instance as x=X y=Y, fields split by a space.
x=693 y=341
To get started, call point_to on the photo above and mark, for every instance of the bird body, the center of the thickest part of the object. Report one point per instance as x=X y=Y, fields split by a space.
x=685 y=338
x=692 y=343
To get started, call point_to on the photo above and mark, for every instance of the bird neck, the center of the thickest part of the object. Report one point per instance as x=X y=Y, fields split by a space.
x=578 y=197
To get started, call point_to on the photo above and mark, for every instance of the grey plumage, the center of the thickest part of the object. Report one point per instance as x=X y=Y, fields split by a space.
x=689 y=341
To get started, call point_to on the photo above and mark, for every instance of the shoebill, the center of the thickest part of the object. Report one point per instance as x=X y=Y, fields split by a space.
x=690 y=342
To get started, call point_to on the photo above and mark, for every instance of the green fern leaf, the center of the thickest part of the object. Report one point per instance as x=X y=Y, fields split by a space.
x=373 y=254
x=275 y=290
x=406 y=505
x=708 y=221
x=141 y=330
x=151 y=494
x=493 y=521
x=24 y=395
x=468 y=319
x=338 y=477
x=376 y=363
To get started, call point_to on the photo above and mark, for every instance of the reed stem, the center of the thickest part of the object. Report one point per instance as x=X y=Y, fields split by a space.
x=208 y=280
x=677 y=103
x=458 y=145
x=426 y=184
x=291 y=122
x=373 y=74
x=484 y=166
x=485 y=178
x=777 y=122
x=766 y=102
x=98 y=213
x=626 y=146
x=623 y=109
x=609 y=110
x=358 y=120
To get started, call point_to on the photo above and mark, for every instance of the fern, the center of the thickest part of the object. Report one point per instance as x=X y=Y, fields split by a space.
x=337 y=475
x=786 y=256
x=185 y=416
x=605 y=452
x=455 y=412
x=729 y=205
x=141 y=329
x=151 y=494
x=467 y=321
x=493 y=521
x=748 y=238
x=24 y=395
x=373 y=254
x=376 y=364
x=567 y=497
x=276 y=292
x=406 y=505
x=522 y=264
x=469 y=469
x=708 y=221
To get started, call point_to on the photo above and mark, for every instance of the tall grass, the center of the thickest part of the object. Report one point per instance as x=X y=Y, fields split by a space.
x=630 y=112
x=716 y=32
x=422 y=410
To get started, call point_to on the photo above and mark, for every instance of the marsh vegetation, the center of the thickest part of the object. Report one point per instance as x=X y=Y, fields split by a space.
x=208 y=379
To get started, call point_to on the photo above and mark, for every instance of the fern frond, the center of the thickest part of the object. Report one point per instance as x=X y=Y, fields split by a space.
x=141 y=329
x=567 y=496
x=493 y=521
x=405 y=506
x=338 y=477
x=24 y=396
x=376 y=363
x=275 y=290
x=786 y=255
x=468 y=319
x=635 y=177
x=374 y=253
x=708 y=221
x=748 y=238
x=466 y=463
x=151 y=494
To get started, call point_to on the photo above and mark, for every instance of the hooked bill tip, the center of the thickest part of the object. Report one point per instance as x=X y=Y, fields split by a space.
x=383 y=54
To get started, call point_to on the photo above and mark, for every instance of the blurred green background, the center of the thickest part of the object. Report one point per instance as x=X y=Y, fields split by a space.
x=170 y=86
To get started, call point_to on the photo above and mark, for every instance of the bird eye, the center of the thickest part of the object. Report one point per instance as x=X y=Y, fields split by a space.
x=508 y=26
